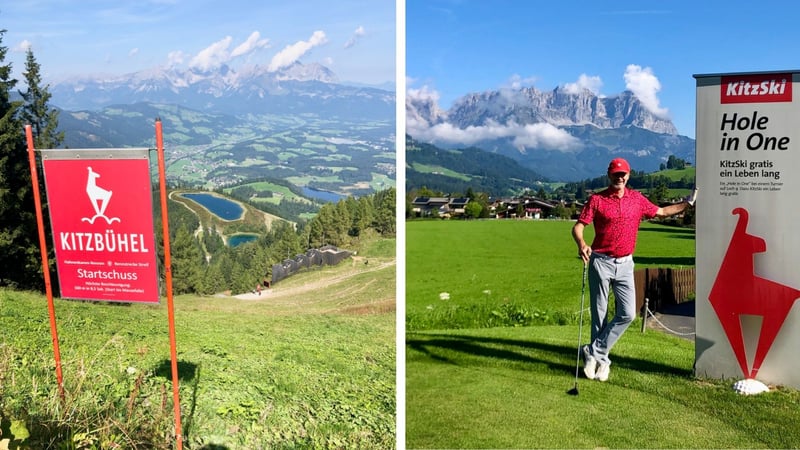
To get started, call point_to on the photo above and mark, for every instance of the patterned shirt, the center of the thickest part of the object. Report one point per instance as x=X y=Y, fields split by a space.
x=616 y=220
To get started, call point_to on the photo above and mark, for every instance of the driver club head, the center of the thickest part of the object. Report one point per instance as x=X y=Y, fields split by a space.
x=573 y=391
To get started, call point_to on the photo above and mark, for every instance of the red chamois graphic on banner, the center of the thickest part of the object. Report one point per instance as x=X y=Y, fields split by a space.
x=739 y=291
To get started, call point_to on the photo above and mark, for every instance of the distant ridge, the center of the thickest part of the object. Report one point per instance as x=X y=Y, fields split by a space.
x=567 y=135
x=298 y=88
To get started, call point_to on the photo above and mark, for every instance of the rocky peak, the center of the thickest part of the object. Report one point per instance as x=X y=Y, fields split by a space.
x=557 y=107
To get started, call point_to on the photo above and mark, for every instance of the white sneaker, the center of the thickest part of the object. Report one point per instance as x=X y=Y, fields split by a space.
x=603 y=371
x=589 y=363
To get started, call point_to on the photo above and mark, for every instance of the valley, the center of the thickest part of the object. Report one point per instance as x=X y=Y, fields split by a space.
x=209 y=151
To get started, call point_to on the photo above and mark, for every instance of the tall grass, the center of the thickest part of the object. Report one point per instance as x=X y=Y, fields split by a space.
x=471 y=274
x=316 y=370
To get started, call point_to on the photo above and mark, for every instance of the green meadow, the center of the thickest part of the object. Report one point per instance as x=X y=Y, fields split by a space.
x=310 y=363
x=471 y=274
x=489 y=364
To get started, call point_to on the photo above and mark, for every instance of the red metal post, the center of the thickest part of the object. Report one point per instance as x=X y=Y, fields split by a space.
x=45 y=263
x=168 y=271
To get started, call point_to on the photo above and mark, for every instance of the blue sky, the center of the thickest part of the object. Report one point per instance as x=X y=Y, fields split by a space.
x=456 y=47
x=354 y=38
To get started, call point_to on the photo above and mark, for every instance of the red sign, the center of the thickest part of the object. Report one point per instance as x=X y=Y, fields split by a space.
x=766 y=88
x=102 y=221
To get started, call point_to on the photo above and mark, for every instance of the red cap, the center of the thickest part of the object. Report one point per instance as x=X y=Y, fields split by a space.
x=619 y=165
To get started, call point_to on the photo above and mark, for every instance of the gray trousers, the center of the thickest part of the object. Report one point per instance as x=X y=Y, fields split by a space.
x=605 y=272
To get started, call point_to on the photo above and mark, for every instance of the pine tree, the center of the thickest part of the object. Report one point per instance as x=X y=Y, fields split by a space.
x=36 y=111
x=385 y=212
x=188 y=262
x=19 y=243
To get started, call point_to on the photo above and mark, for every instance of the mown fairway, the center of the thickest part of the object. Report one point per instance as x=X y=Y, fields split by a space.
x=506 y=388
x=505 y=272
x=475 y=380
x=308 y=364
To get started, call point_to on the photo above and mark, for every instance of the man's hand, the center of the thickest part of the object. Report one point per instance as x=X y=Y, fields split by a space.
x=584 y=253
x=691 y=198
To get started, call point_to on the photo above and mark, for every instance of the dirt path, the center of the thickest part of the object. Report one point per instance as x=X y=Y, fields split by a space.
x=280 y=292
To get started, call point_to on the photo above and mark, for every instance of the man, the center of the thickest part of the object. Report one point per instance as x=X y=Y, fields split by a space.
x=616 y=213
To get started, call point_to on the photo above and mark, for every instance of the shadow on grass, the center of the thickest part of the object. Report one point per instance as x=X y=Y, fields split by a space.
x=434 y=345
x=186 y=370
x=664 y=260
x=190 y=373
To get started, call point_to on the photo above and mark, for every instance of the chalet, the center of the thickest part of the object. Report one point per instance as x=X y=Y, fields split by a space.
x=523 y=208
x=444 y=207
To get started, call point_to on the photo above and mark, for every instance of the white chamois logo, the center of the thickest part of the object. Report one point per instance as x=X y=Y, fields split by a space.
x=99 y=198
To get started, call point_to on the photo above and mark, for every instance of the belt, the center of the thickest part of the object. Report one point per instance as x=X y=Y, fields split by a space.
x=619 y=260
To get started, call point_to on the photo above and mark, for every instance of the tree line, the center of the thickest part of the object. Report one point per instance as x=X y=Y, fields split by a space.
x=20 y=257
x=201 y=262
x=657 y=186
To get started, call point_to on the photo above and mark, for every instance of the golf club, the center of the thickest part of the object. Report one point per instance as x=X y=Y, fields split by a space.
x=574 y=390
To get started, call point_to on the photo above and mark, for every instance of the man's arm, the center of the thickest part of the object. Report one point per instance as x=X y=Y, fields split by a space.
x=671 y=210
x=577 y=234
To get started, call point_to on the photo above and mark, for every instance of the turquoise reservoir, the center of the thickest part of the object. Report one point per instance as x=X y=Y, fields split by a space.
x=221 y=207
x=238 y=239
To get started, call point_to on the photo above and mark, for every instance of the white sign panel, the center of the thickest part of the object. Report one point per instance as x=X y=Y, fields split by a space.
x=748 y=175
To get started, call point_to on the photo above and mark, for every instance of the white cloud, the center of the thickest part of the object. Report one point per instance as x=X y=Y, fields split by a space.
x=645 y=86
x=424 y=93
x=293 y=52
x=592 y=83
x=518 y=82
x=253 y=42
x=218 y=53
x=354 y=38
x=133 y=52
x=512 y=90
x=23 y=46
x=212 y=56
x=538 y=135
x=176 y=58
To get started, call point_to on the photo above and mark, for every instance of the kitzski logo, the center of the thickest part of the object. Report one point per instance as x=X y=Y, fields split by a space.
x=99 y=198
x=756 y=89
x=739 y=291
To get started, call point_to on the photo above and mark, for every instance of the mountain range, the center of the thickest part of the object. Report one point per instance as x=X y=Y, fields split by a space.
x=224 y=126
x=561 y=134
x=295 y=89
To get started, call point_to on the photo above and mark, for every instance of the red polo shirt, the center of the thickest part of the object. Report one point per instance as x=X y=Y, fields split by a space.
x=616 y=220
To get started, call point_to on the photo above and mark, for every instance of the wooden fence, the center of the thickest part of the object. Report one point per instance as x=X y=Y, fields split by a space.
x=663 y=287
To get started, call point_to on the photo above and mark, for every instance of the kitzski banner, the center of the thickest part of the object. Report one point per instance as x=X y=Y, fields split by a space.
x=748 y=174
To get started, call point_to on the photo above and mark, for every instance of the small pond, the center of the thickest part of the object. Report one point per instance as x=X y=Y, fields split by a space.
x=241 y=238
x=221 y=207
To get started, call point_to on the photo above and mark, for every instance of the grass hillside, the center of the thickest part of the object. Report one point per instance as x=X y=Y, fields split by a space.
x=309 y=363
x=451 y=170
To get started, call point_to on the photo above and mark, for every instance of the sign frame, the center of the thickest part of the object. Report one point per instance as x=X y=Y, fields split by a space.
x=110 y=255
x=748 y=169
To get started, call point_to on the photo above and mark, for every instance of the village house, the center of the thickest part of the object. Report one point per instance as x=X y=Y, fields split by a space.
x=443 y=207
